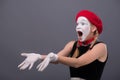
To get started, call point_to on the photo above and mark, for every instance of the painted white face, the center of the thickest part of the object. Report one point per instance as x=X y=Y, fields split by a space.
x=82 y=28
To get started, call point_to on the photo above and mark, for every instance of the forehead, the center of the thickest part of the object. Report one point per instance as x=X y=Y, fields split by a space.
x=82 y=18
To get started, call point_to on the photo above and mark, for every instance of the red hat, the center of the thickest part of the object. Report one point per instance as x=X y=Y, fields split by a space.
x=92 y=17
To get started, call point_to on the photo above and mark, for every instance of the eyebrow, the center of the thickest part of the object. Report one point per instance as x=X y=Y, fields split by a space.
x=84 y=20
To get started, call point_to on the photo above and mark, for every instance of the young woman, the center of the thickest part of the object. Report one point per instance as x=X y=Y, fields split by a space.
x=86 y=57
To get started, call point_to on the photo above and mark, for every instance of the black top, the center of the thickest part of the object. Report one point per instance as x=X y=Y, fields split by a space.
x=92 y=71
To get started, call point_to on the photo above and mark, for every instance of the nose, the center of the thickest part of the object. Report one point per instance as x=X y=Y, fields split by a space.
x=78 y=28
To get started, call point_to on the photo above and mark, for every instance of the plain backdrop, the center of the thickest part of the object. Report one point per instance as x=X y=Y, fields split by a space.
x=44 y=26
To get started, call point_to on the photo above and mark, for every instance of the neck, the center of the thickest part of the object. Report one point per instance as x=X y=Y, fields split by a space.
x=85 y=43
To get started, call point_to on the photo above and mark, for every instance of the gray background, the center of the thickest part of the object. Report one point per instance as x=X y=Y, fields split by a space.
x=43 y=26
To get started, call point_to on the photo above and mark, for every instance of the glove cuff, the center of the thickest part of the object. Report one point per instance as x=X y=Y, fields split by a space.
x=39 y=56
x=54 y=57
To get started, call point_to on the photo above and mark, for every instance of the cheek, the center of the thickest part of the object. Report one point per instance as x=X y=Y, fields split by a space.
x=86 y=27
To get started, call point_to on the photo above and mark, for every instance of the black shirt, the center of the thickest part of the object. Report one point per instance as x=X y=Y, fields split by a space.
x=92 y=71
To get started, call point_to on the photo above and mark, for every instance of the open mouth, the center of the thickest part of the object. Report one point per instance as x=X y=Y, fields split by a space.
x=80 y=33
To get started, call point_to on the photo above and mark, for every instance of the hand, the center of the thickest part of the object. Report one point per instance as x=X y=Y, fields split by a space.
x=31 y=58
x=51 y=57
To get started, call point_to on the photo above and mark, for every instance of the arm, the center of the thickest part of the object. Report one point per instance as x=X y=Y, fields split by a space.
x=65 y=51
x=99 y=52
x=53 y=58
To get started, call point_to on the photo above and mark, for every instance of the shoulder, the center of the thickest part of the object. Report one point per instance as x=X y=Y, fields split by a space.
x=100 y=49
x=99 y=45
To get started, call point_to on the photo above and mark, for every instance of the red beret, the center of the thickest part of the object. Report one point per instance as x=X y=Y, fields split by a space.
x=92 y=17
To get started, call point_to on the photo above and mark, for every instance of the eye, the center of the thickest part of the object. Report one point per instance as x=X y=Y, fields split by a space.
x=82 y=23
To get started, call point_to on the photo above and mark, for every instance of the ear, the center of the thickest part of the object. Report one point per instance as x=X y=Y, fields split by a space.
x=94 y=28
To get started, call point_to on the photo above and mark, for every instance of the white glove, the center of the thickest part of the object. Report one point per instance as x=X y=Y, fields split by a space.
x=31 y=58
x=51 y=57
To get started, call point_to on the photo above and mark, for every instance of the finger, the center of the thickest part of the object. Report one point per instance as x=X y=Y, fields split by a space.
x=41 y=64
x=38 y=66
x=24 y=54
x=44 y=65
x=31 y=65
x=24 y=66
x=21 y=64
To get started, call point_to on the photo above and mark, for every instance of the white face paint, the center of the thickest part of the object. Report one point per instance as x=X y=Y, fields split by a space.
x=83 y=28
